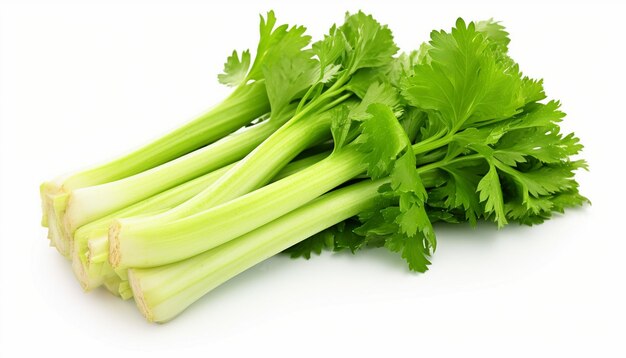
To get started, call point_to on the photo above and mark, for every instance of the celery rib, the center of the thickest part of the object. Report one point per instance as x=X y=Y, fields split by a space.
x=91 y=246
x=245 y=104
x=256 y=170
x=91 y=203
x=163 y=292
x=144 y=244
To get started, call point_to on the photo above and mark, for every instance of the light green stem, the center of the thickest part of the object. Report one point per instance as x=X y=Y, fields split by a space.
x=163 y=292
x=245 y=104
x=146 y=244
x=256 y=169
x=91 y=203
x=91 y=245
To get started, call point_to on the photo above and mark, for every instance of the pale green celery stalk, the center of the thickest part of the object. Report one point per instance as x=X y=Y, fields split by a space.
x=125 y=291
x=56 y=203
x=254 y=171
x=163 y=292
x=96 y=232
x=146 y=244
x=91 y=276
x=309 y=126
x=91 y=203
x=429 y=175
x=91 y=246
x=245 y=103
x=112 y=284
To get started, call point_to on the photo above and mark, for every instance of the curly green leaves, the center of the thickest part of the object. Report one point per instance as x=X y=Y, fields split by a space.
x=400 y=221
x=495 y=32
x=235 y=70
x=292 y=70
x=495 y=153
x=490 y=191
x=336 y=238
x=281 y=59
x=288 y=77
x=389 y=153
x=343 y=128
x=464 y=80
x=468 y=83
x=360 y=43
x=328 y=51
x=383 y=139
x=275 y=43
x=367 y=42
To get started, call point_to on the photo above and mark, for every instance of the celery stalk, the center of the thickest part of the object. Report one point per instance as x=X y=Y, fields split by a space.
x=256 y=169
x=91 y=203
x=244 y=104
x=145 y=243
x=163 y=292
x=91 y=244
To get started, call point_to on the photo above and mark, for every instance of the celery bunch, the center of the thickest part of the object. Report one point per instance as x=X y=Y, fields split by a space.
x=337 y=144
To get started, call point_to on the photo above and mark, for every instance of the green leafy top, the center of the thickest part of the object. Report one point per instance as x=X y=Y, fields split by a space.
x=367 y=43
x=464 y=81
x=486 y=148
x=235 y=69
x=343 y=126
x=361 y=42
x=281 y=60
x=315 y=75
x=403 y=213
x=495 y=32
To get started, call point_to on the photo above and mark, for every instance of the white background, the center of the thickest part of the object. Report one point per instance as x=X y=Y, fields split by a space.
x=81 y=82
